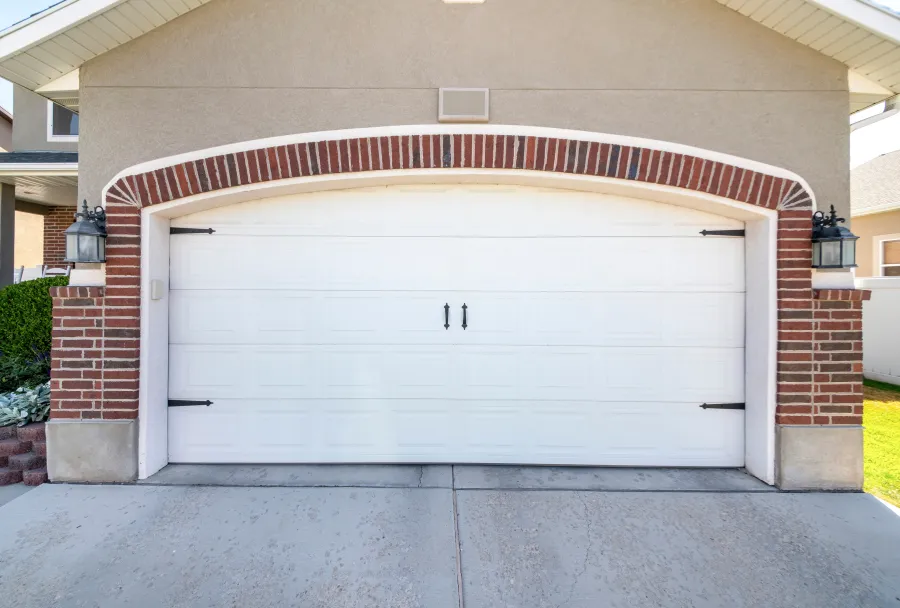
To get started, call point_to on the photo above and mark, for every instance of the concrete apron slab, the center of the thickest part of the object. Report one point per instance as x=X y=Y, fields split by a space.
x=167 y=546
x=160 y=547
x=705 y=550
x=462 y=477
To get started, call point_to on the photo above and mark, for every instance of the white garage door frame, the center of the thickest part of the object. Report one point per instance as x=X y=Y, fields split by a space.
x=761 y=262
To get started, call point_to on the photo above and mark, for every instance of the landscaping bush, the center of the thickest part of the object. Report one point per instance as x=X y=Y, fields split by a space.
x=25 y=405
x=26 y=321
x=26 y=317
x=18 y=372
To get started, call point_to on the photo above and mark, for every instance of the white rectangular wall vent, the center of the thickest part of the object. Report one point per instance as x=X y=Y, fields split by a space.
x=464 y=105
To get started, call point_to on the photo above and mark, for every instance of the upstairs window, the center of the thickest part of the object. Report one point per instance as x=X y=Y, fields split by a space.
x=890 y=257
x=62 y=123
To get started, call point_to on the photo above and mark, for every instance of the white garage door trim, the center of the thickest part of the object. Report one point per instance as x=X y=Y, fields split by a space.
x=761 y=323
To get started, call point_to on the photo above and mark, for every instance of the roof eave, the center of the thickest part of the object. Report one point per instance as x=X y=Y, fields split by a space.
x=45 y=169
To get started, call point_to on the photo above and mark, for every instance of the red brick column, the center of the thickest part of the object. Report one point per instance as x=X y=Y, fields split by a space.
x=795 y=318
x=96 y=343
x=837 y=360
x=76 y=374
x=55 y=224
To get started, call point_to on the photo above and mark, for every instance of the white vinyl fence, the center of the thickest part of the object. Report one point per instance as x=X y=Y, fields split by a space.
x=881 y=329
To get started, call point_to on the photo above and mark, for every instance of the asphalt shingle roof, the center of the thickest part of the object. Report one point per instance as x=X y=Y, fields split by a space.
x=876 y=185
x=38 y=157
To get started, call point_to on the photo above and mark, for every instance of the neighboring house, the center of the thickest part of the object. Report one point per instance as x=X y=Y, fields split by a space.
x=39 y=173
x=315 y=256
x=875 y=209
x=875 y=201
x=6 y=126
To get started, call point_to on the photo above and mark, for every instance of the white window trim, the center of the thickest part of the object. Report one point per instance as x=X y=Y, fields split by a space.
x=878 y=252
x=50 y=135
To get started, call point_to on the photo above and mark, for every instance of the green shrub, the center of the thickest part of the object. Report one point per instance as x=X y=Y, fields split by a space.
x=18 y=372
x=26 y=318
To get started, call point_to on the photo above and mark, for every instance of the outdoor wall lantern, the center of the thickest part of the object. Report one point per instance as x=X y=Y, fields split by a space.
x=833 y=246
x=86 y=238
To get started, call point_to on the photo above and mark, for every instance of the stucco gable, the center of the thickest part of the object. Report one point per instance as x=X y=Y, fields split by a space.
x=46 y=52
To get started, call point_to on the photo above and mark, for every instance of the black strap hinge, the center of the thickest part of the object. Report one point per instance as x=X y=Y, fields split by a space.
x=187 y=402
x=724 y=406
x=723 y=232
x=191 y=230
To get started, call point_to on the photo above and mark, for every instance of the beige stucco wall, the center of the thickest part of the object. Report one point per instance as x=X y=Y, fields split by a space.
x=688 y=71
x=30 y=124
x=29 y=250
x=867 y=227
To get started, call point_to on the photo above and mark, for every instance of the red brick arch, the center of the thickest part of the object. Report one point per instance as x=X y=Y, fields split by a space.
x=459 y=151
x=96 y=335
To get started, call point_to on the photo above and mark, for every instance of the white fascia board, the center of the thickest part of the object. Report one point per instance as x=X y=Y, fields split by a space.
x=66 y=83
x=865 y=15
x=43 y=169
x=49 y=23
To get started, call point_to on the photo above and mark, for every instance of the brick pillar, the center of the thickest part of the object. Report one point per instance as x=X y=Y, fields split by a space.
x=55 y=224
x=76 y=375
x=795 y=318
x=837 y=364
x=820 y=441
x=92 y=432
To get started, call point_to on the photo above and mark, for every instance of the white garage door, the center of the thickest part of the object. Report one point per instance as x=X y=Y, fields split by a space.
x=595 y=327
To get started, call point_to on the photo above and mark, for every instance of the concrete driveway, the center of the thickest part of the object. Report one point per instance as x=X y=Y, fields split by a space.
x=476 y=537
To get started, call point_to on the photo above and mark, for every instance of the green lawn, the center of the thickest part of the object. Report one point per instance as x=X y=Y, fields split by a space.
x=881 y=418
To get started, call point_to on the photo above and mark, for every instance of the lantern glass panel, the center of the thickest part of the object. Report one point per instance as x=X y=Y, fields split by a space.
x=86 y=248
x=831 y=254
x=817 y=254
x=849 y=253
x=71 y=246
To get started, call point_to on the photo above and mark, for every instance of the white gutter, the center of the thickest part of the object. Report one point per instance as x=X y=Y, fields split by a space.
x=869 y=17
x=39 y=169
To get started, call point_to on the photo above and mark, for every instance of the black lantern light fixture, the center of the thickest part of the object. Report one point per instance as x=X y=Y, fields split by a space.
x=833 y=246
x=86 y=238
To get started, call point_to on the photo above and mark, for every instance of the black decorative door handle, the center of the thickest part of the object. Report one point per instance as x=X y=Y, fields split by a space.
x=465 y=321
x=446 y=316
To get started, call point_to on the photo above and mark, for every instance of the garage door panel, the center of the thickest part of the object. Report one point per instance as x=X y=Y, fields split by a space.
x=467 y=211
x=523 y=432
x=439 y=264
x=302 y=317
x=536 y=318
x=604 y=319
x=468 y=373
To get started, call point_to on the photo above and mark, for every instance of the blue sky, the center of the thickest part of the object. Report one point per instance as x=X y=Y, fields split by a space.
x=12 y=11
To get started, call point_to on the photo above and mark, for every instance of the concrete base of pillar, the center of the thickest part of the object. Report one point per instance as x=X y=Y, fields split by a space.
x=819 y=457
x=92 y=451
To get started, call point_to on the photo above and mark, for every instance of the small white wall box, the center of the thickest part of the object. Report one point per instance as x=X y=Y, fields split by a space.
x=157 y=289
x=464 y=105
